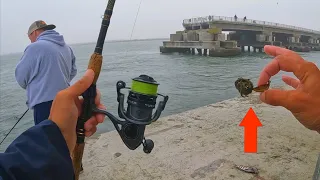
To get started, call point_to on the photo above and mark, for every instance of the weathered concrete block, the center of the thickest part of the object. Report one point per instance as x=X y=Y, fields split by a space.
x=193 y=44
x=192 y=36
x=233 y=37
x=172 y=50
x=269 y=38
x=179 y=32
x=260 y=37
x=311 y=40
x=291 y=39
x=210 y=44
x=228 y=37
x=228 y=44
x=164 y=49
x=176 y=37
x=205 y=36
x=276 y=43
x=268 y=35
x=296 y=38
x=222 y=52
x=185 y=36
x=214 y=30
x=219 y=37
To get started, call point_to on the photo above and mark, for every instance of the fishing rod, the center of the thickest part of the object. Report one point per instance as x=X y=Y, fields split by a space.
x=14 y=126
x=140 y=103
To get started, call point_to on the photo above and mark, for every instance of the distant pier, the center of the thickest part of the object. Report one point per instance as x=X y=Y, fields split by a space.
x=204 y=35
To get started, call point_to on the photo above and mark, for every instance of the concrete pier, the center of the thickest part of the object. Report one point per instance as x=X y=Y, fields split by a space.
x=206 y=143
x=215 y=48
x=212 y=41
x=253 y=34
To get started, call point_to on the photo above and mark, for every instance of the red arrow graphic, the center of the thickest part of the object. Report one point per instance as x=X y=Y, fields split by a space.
x=250 y=123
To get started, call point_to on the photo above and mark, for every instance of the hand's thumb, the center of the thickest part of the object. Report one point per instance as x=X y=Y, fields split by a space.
x=82 y=84
x=290 y=99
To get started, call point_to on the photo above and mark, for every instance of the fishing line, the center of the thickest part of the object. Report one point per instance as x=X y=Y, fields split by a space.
x=14 y=126
x=134 y=24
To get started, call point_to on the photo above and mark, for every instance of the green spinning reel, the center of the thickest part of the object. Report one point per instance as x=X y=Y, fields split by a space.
x=141 y=102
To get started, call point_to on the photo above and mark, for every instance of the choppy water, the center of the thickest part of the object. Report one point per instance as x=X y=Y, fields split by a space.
x=190 y=81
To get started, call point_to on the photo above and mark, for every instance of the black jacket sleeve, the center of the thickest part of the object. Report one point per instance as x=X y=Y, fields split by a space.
x=40 y=152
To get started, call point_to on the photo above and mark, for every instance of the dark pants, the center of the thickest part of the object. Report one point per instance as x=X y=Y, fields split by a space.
x=41 y=111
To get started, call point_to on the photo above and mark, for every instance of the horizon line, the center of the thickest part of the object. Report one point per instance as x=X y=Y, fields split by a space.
x=92 y=42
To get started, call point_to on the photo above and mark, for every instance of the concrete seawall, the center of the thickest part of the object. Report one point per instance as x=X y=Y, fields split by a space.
x=206 y=143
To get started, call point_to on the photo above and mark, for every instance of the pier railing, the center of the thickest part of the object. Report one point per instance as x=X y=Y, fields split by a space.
x=208 y=19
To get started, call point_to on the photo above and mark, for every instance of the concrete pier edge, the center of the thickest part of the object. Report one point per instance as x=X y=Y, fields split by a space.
x=206 y=143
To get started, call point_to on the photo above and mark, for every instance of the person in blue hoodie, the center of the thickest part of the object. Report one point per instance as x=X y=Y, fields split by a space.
x=42 y=152
x=46 y=67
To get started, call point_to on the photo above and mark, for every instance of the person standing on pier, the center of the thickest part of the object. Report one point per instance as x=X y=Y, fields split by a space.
x=235 y=17
x=46 y=67
x=245 y=18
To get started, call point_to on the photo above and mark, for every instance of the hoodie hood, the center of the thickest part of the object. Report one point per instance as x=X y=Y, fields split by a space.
x=53 y=36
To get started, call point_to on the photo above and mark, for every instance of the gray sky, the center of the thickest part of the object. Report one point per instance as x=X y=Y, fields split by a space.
x=79 y=20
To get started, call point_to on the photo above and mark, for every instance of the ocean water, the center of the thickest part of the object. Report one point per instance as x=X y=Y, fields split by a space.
x=190 y=81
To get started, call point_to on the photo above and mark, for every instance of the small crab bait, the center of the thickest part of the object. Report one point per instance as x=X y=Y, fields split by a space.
x=245 y=87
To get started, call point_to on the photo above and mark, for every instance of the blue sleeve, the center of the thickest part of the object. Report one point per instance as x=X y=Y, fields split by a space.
x=28 y=66
x=38 y=153
x=73 y=66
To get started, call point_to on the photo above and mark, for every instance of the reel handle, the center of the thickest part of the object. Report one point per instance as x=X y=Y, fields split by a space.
x=131 y=134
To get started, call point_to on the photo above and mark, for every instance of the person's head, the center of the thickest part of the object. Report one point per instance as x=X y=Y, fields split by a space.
x=36 y=28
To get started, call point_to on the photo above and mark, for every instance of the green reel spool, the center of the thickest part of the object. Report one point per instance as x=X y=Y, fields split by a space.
x=145 y=85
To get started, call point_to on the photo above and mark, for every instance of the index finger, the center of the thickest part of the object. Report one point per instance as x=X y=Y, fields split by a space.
x=276 y=51
x=82 y=84
x=285 y=60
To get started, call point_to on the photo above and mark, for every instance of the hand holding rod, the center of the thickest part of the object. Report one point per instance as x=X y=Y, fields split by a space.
x=89 y=95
